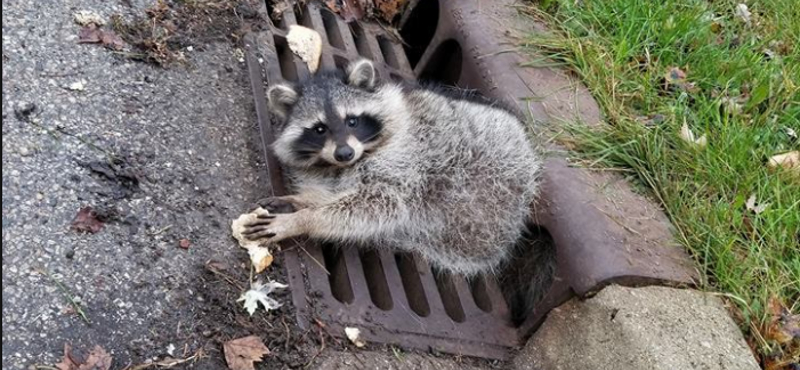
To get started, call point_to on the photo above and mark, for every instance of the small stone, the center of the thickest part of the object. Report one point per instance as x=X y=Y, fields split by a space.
x=39 y=196
x=23 y=151
x=70 y=254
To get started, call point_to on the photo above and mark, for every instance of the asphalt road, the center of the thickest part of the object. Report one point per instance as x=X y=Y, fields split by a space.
x=185 y=134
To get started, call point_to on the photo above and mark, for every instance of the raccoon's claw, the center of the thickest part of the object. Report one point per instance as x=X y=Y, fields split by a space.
x=274 y=227
x=277 y=205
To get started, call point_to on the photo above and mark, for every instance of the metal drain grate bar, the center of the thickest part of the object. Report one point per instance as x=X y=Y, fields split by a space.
x=392 y=298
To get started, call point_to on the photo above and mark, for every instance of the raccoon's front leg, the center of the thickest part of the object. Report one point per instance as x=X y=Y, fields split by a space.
x=359 y=217
x=368 y=215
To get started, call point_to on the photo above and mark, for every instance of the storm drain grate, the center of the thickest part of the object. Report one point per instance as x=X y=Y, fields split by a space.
x=392 y=298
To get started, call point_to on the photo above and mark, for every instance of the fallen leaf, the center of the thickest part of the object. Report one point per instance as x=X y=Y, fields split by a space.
x=98 y=359
x=240 y=354
x=789 y=161
x=259 y=293
x=389 y=9
x=688 y=136
x=744 y=13
x=67 y=363
x=752 y=207
x=352 y=10
x=731 y=105
x=353 y=334
x=307 y=44
x=675 y=76
x=184 y=243
x=111 y=40
x=86 y=221
x=88 y=17
x=783 y=326
x=651 y=121
x=89 y=35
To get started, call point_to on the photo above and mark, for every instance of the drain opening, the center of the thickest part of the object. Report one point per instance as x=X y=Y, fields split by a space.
x=362 y=46
x=285 y=59
x=332 y=29
x=303 y=15
x=449 y=294
x=340 y=62
x=419 y=30
x=529 y=272
x=445 y=64
x=388 y=52
x=412 y=284
x=480 y=294
x=339 y=280
x=376 y=279
x=280 y=22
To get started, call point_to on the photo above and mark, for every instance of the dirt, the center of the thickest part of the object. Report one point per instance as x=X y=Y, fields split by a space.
x=223 y=319
x=170 y=27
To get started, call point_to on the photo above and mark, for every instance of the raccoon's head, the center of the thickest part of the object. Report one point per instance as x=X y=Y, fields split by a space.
x=334 y=118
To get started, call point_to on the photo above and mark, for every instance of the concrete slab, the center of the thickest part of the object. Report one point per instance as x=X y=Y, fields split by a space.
x=639 y=328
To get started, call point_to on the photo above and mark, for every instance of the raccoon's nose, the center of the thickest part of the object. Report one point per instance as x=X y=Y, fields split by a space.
x=344 y=153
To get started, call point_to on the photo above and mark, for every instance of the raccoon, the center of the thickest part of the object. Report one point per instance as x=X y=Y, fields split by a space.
x=396 y=165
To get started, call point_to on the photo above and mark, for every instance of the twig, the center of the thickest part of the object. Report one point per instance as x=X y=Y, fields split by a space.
x=161 y=231
x=315 y=261
x=319 y=352
x=225 y=277
x=67 y=295
x=325 y=327
x=45 y=367
x=169 y=363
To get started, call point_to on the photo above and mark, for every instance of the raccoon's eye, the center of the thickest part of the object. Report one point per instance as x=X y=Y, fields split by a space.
x=352 y=121
x=320 y=129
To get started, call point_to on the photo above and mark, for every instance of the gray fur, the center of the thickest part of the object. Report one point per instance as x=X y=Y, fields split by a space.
x=450 y=179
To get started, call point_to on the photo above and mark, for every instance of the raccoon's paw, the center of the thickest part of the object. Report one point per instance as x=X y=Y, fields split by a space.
x=273 y=227
x=277 y=205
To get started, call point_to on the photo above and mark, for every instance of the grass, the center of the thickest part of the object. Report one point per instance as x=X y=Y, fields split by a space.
x=741 y=89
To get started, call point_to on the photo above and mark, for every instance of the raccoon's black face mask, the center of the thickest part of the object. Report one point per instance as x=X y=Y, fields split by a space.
x=331 y=120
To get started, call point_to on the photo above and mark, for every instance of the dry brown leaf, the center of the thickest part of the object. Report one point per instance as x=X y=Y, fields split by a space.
x=91 y=34
x=784 y=326
x=86 y=221
x=390 y=8
x=240 y=354
x=67 y=363
x=789 y=161
x=675 y=76
x=88 y=17
x=98 y=359
x=184 y=244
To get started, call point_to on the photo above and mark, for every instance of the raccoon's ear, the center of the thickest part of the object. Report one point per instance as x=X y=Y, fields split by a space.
x=281 y=98
x=361 y=73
